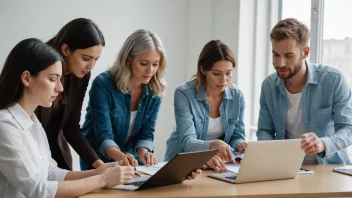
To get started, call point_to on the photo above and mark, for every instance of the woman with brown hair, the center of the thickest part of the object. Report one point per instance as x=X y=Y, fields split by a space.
x=80 y=43
x=209 y=109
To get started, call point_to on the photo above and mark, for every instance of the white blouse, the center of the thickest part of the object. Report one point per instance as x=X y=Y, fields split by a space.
x=26 y=166
x=215 y=129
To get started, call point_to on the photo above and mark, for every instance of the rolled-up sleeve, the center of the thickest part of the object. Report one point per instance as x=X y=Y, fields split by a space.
x=17 y=166
x=100 y=107
x=56 y=173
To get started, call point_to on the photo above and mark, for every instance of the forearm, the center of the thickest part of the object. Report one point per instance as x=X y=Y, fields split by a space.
x=193 y=144
x=79 y=187
x=113 y=153
x=98 y=163
x=75 y=175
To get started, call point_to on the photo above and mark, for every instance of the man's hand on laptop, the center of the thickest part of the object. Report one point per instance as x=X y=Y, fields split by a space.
x=312 y=144
x=216 y=164
x=224 y=150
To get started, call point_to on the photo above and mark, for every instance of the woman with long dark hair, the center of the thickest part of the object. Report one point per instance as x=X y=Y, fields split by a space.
x=31 y=77
x=80 y=43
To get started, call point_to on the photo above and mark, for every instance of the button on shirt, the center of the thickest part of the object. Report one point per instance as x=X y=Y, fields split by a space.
x=26 y=166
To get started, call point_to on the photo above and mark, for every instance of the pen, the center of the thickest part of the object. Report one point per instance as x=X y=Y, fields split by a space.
x=118 y=162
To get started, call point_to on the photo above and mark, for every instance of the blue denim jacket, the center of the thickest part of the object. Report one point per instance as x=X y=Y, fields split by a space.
x=326 y=107
x=192 y=118
x=108 y=118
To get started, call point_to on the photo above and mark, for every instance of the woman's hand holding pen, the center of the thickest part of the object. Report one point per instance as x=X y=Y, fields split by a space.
x=115 y=175
x=146 y=157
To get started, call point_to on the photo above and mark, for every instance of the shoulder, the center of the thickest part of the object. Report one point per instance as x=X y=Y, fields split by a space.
x=322 y=71
x=9 y=126
x=103 y=79
x=187 y=87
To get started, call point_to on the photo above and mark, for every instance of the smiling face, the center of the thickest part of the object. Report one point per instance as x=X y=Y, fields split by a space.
x=144 y=66
x=81 y=61
x=288 y=57
x=219 y=76
x=45 y=87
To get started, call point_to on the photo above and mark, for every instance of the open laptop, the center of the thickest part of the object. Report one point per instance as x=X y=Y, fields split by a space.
x=267 y=160
x=175 y=171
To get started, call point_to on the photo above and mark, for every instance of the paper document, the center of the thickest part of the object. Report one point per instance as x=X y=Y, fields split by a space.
x=151 y=170
x=233 y=167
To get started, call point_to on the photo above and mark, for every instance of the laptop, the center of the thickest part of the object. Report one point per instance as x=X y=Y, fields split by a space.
x=175 y=171
x=267 y=160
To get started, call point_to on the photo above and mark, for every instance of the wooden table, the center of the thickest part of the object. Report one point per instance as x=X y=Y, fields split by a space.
x=323 y=183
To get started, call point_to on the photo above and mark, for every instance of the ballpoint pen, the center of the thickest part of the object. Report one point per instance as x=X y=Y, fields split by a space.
x=118 y=162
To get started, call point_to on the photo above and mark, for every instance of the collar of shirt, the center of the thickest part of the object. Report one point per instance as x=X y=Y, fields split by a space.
x=22 y=117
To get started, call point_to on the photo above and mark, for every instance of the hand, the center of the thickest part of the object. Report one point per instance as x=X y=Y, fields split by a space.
x=128 y=160
x=224 y=150
x=311 y=144
x=117 y=175
x=194 y=174
x=146 y=157
x=97 y=163
x=103 y=167
x=241 y=147
x=216 y=164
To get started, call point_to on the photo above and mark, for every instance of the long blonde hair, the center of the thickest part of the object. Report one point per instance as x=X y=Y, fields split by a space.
x=138 y=42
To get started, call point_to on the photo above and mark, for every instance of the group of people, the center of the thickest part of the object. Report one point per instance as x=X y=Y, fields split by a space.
x=43 y=86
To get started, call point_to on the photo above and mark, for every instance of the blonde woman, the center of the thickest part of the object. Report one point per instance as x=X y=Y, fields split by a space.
x=124 y=102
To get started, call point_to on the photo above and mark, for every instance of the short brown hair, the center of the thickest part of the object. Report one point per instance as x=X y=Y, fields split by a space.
x=291 y=28
x=212 y=52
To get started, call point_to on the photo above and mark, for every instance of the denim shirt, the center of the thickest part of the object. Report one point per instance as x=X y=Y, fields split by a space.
x=108 y=118
x=192 y=113
x=326 y=108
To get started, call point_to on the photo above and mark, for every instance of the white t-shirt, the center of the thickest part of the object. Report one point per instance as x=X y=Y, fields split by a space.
x=25 y=158
x=295 y=122
x=215 y=129
x=133 y=118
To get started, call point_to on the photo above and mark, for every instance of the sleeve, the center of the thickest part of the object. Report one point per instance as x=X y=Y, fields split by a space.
x=100 y=108
x=146 y=135
x=341 y=112
x=185 y=127
x=56 y=173
x=239 y=135
x=72 y=129
x=266 y=130
x=17 y=166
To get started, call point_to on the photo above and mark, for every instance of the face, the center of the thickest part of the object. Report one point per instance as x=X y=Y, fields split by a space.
x=144 y=66
x=44 y=88
x=219 y=76
x=288 y=57
x=81 y=61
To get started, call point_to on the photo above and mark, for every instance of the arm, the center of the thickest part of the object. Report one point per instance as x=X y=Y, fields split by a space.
x=239 y=135
x=266 y=130
x=73 y=133
x=99 y=102
x=146 y=135
x=185 y=125
x=341 y=111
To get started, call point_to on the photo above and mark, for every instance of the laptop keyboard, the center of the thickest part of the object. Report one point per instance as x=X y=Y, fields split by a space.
x=344 y=170
x=138 y=183
x=231 y=177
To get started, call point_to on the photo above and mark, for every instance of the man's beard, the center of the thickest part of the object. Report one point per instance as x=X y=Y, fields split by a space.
x=291 y=73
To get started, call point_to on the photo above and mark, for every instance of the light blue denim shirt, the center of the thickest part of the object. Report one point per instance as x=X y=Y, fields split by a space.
x=192 y=118
x=108 y=118
x=326 y=108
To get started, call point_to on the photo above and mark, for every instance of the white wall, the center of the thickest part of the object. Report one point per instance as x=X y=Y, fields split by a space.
x=184 y=26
